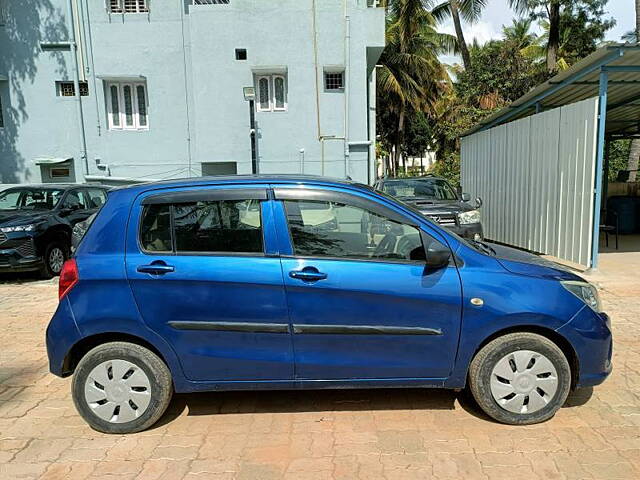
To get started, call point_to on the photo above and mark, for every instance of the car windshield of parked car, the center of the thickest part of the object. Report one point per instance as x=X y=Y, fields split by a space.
x=30 y=199
x=429 y=188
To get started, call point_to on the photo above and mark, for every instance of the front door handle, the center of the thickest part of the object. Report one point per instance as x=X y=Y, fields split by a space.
x=308 y=274
x=156 y=268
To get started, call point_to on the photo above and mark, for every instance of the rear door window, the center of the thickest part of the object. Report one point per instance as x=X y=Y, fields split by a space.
x=215 y=227
x=225 y=226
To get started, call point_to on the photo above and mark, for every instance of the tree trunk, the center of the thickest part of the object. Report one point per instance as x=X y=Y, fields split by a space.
x=455 y=15
x=554 y=36
x=399 y=138
x=634 y=155
x=637 y=20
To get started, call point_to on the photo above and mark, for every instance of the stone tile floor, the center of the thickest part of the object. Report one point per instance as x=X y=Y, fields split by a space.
x=367 y=434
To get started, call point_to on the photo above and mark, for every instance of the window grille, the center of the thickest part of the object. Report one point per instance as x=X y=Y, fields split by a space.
x=68 y=89
x=334 y=81
x=128 y=6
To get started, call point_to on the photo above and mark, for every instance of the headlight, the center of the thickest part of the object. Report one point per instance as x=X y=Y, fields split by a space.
x=465 y=218
x=585 y=292
x=19 y=228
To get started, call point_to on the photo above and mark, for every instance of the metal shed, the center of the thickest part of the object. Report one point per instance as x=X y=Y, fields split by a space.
x=539 y=163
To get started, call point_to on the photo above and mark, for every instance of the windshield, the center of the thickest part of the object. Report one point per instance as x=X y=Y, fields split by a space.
x=431 y=188
x=30 y=199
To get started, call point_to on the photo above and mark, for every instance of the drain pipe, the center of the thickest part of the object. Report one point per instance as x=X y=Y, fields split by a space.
x=347 y=74
x=76 y=85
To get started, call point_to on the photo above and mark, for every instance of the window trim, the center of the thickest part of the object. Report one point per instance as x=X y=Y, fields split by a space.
x=120 y=85
x=284 y=92
x=259 y=99
x=271 y=84
x=2 y=126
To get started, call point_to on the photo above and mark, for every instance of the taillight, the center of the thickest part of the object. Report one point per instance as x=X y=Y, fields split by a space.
x=68 y=277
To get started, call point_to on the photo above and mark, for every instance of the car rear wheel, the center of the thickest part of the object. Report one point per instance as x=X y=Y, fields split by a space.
x=121 y=387
x=520 y=378
x=55 y=254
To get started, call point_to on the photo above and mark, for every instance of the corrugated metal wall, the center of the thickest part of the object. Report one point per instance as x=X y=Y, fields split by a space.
x=536 y=177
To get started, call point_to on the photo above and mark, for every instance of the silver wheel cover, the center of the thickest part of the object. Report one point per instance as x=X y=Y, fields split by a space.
x=524 y=382
x=56 y=259
x=117 y=391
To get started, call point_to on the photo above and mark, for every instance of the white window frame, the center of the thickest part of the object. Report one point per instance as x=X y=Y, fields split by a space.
x=259 y=96
x=271 y=82
x=121 y=107
x=121 y=10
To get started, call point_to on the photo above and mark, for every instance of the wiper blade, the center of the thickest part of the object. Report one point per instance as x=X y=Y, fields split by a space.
x=484 y=247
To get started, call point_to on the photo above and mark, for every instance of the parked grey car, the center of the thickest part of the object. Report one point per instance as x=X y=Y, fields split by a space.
x=435 y=198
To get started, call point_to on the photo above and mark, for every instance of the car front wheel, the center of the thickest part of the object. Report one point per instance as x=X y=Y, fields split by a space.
x=55 y=254
x=520 y=378
x=121 y=387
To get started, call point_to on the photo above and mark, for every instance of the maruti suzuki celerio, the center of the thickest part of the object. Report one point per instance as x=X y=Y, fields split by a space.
x=303 y=282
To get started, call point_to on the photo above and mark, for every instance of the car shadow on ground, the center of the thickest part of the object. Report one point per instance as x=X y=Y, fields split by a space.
x=23 y=277
x=317 y=401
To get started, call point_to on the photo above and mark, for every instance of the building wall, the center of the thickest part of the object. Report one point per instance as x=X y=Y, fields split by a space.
x=197 y=112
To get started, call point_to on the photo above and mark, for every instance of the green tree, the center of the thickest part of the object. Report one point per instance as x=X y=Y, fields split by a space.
x=518 y=35
x=575 y=25
x=411 y=77
x=499 y=75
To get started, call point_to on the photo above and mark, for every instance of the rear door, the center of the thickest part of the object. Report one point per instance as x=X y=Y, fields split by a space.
x=362 y=303
x=206 y=276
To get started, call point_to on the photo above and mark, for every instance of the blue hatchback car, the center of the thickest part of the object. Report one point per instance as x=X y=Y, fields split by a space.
x=303 y=282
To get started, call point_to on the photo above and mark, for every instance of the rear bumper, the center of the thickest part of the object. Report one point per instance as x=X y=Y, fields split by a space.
x=590 y=334
x=62 y=334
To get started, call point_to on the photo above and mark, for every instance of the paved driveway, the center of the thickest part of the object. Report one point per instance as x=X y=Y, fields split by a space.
x=369 y=434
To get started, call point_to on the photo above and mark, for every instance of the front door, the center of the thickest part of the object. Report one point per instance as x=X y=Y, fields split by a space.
x=205 y=277
x=361 y=301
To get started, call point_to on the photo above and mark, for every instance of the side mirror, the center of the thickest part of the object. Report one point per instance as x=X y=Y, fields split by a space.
x=465 y=197
x=479 y=202
x=438 y=255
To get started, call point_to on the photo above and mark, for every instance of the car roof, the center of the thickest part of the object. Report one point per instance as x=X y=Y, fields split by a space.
x=244 y=179
x=424 y=177
x=54 y=186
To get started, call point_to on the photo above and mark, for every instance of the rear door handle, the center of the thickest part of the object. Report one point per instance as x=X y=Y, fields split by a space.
x=308 y=274
x=156 y=268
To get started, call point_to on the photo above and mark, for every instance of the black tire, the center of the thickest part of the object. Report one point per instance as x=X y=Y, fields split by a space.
x=487 y=358
x=157 y=372
x=50 y=268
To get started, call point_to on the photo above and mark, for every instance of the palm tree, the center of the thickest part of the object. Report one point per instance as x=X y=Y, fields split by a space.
x=470 y=10
x=539 y=50
x=519 y=34
x=411 y=76
x=552 y=9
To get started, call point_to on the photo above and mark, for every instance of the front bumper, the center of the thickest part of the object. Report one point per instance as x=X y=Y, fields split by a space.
x=19 y=255
x=590 y=335
x=466 y=231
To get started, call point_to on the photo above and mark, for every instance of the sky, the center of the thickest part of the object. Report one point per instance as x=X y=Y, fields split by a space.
x=498 y=13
